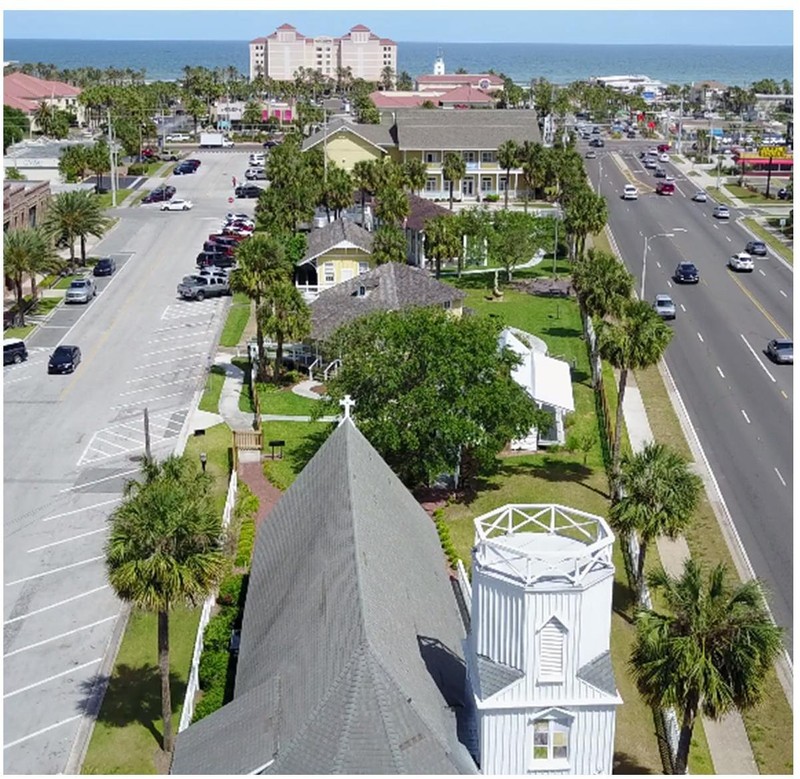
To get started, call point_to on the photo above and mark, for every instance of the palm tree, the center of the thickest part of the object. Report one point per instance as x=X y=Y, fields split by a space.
x=98 y=161
x=19 y=249
x=507 y=157
x=387 y=77
x=337 y=192
x=454 y=169
x=415 y=174
x=76 y=215
x=709 y=651
x=44 y=117
x=532 y=161
x=634 y=342
x=585 y=213
x=391 y=204
x=442 y=239
x=661 y=496
x=363 y=176
x=389 y=245
x=261 y=264
x=284 y=316
x=164 y=549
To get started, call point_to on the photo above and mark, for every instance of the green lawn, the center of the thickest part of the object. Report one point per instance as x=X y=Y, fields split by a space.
x=19 y=332
x=302 y=441
x=774 y=243
x=214 y=382
x=277 y=400
x=127 y=736
x=238 y=317
x=748 y=197
x=105 y=198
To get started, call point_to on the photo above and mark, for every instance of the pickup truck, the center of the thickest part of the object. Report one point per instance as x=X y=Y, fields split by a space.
x=215 y=140
x=201 y=287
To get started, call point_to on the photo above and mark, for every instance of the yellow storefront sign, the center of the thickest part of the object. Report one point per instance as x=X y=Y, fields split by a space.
x=772 y=151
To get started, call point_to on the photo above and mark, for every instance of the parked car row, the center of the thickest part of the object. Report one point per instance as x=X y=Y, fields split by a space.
x=219 y=250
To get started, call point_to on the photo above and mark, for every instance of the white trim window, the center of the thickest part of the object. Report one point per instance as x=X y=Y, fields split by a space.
x=330 y=273
x=469 y=156
x=488 y=156
x=433 y=156
x=550 y=739
x=431 y=184
x=552 y=640
x=363 y=267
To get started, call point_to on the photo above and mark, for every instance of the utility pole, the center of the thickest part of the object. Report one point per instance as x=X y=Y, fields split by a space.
x=147 y=454
x=111 y=159
x=324 y=146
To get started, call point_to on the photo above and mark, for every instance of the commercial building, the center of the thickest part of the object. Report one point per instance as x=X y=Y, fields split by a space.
x=650 y=89
x=280 y=55
x=24 y=203
x=27 y=92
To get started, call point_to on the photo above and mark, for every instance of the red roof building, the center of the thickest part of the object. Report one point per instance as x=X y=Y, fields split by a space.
x=27 y=92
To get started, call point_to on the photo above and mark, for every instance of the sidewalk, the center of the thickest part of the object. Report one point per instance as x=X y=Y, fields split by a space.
x=727 y=738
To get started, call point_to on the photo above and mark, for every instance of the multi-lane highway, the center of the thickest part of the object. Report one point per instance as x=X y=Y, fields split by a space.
x=72 y=441
x=738 y=401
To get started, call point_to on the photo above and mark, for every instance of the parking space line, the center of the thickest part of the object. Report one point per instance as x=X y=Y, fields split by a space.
x=151 y=376
x=780 y=477
x=67 y=540
x=761 y=271
x=197 y=345
x=104 y=442
x=782 y=293
x=50 y=679
x=56 y=605
x=55 y=570
x=746 y=418
x=719 y=371
x=144 y=401
x=192 y=356
x=42 y=731
x=701 y=338
x=172 y=338
x=99 y=481
x=78 y=511
x=120 y=435
x=61 y=635
x=683 y=308
x=187 y=380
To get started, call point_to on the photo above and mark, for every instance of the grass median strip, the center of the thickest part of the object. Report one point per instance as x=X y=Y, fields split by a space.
x=238 y=317
x=774 y=243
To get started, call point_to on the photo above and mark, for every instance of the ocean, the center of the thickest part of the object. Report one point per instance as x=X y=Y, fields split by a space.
x=560 y=64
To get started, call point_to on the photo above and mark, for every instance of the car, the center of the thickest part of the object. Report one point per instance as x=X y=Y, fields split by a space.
x=65 y=359
x=237 y=231
x=595 y=130
x=193 y=161
x=660 y=173
x=721 y=212
x=650 y=163
x=687 y=273
x=168 y=156
x=663 y=157
x=248 y=191
x=632 y=134
x=255 y=174
x=105 y=266
x=781 y=350
x=183 y=170
x=159 y=195
x=256 y=160
x=178 y=138
x=669 y=179
x=247 y=224
x=741 y=261
x=223 y=259
x=665 y=188
x=231 y=217
x=214 y=270
x=591 y=154
x=80 y=290
x=630 y=192
x=664 y=306
x=225 y=238
x=201 y=287
x=218 y=249
x=14 y=351
x=784 y=194
x=663 y=147
x=177 y=205
x=700 y=196
x=757 y=248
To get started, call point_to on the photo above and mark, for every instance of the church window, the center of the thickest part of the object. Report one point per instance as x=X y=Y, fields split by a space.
x=550 y=739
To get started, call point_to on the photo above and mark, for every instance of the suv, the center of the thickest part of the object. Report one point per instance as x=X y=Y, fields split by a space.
x=664 y=306
x=687 y=273
x=202 y=287
x=80 y=291
x=159 y=195
x=665 y=188
x=248 y=190
x=721 y=212
x=255 y=174
x=741 y=261
x=758 y=248
x=215 y=259
x=630 y=192
x=14 y=350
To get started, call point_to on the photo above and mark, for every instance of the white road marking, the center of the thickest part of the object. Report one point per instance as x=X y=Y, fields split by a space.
x=669 y=283
x=783 y=392
x=683 y=308
x=41 y=731
x=151 y=376
x=55 y=327
x=61 y=635
x=98 y=481
x=55 y=570
x=50 y=679
x=56 y=605
x=157 y=387
x=172 y=338
x=780 y=477
x=658 y=263
x=761 y=271
x=728 y=238
x=197 y=345
x=120 y=435
x=782 y=293
x=719 y=371
x=716 y=226
x=753 y=352
x=746 y=418
x=67 y=540
x=111 y=443
x=84 y=508
x=700 y=337
x=145 y=401
x=192 y=356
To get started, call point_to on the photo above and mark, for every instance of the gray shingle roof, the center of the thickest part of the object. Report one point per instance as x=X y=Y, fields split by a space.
x=381 y=135
x=389 y=287
x=599 y=673
x=495 y=676
x=350 y=654
x=466 y=129
x=323 y=239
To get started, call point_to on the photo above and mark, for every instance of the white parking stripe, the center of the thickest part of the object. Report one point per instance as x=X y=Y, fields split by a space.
x=56 y=605
x=192 y=356
x=78 y=511
x=160 y=386
x=780 y=477
x=60 y=635
x=719 y=371
x=120 y=435
x=41 y=731
x=198 y=345
x=683 y=308
x=98 y=481
x=190 y=334
x=67 y=540
x=700 y=337
x=102 y=442
x=782 y=293
x=50 y=679
x=761 y=271
x=55 y=570
x=144 y=401
x=746 y=418
x=151 y=376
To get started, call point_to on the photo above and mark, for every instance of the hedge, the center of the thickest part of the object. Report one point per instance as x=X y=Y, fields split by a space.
x=443 y=529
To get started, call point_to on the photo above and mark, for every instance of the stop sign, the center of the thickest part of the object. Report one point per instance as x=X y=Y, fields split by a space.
x=230 y=200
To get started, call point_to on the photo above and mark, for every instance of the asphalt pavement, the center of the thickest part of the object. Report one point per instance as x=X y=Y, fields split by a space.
x=71 y=442
x=739 y=402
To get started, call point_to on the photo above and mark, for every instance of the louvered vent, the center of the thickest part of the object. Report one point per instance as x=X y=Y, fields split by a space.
x=551 y=652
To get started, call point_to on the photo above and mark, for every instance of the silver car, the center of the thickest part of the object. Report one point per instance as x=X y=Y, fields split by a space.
x=781 y=350
x=80 y=291
x=664 y=306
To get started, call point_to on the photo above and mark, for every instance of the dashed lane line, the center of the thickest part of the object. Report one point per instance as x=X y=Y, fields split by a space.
x=719 y=371
x=758 y=359
x=780 y=477
x=746 y=418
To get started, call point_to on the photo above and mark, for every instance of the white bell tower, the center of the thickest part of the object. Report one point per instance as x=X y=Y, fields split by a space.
x=538 y=655
x=438 y=65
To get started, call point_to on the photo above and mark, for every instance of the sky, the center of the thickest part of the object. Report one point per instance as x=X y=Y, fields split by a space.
x=721 y=27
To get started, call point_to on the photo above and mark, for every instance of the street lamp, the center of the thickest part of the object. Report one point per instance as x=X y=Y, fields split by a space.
x=644 y=254
x=203 y=460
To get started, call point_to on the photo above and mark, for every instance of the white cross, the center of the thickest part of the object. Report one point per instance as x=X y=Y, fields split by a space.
x=347 y=403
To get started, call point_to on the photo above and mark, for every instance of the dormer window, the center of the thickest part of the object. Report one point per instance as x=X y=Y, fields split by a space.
x=362 y=291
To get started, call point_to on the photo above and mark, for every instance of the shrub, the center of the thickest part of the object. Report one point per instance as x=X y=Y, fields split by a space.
x=443 y=529
x=492 y=198
x=247 y=537
x=246 y=502
x=211 y=701
x=213 y=669
x=217 y=635
x=230 y=591
x=137 y=169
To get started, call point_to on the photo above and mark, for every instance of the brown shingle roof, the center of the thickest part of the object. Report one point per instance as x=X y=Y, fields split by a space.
x=389 y=287
x=420 y=210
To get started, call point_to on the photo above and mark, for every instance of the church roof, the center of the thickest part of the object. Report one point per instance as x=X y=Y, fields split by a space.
x=339 y=233
x=495 y=676
x=350 y=658
x=599 y=673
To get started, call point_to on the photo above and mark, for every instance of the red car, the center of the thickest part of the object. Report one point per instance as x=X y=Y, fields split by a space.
x=665 y=188
x=225 y=238
x=662 y=147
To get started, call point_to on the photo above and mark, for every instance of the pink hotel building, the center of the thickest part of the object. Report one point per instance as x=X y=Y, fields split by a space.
x=279 y=55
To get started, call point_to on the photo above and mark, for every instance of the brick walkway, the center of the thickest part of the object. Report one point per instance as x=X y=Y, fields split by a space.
x=252 y=474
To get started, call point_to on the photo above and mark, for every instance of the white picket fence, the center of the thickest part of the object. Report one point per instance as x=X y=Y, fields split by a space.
x=193 y=684
x=464 y=583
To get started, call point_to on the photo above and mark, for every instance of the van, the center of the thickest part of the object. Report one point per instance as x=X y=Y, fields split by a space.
x=14 y=351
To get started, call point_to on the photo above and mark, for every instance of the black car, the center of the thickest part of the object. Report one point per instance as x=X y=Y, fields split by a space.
x=248 y=191
x=784 y=194
x=215 y=259
x=14 y=350
x=660 y=173
x=756 y=248
x=183 y=170
x=64 y=359
x=687 y=273
x=221 y=250
x=105 y=267
x=159 y=195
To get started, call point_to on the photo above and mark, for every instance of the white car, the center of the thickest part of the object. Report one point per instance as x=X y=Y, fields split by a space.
x=741 y=261
x=630 y=192
x=663 y=157
x=178 y=138
x=721 y=212
x=177 y=205
x=700 y=196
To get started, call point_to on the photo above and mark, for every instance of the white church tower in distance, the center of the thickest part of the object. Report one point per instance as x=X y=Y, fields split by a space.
x=538 y=651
